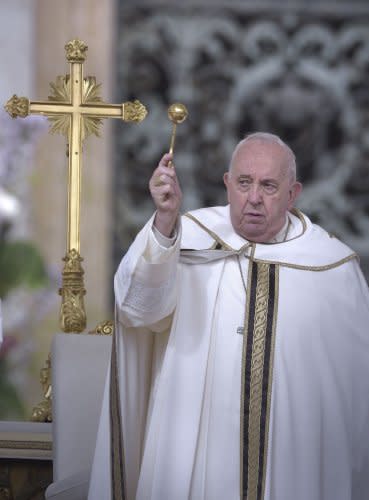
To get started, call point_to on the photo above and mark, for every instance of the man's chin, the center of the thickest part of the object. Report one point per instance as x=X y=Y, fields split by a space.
x=254 y=232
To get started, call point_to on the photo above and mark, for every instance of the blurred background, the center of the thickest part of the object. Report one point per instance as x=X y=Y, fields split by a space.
x=299 y=69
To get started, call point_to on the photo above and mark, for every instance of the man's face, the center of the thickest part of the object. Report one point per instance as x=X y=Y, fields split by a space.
x=260 y=190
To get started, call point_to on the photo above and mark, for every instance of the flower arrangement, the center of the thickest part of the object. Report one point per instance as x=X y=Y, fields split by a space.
x=23 y=274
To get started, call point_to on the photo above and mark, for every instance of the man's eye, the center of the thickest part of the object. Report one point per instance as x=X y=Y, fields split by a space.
x=244 y=182
x=270 y=188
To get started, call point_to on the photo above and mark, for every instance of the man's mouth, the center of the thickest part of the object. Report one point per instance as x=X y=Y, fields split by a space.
x=253 y=215
x=255 y=218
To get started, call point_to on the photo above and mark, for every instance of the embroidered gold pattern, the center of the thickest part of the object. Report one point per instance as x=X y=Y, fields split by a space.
x=211 y=233
x=309 y=268
x=225 y=246
x=257 y=375
x=301 y=267
x=246 y=320
x=26 y=445
x=257 y=365
x=270 y=377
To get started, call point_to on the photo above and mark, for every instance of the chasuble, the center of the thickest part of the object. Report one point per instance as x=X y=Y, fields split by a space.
x=239 y=370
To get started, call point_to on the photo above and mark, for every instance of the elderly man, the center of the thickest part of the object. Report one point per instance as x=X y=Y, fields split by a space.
x=241 y=355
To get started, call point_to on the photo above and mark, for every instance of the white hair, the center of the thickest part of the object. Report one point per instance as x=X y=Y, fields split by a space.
x=270 y=138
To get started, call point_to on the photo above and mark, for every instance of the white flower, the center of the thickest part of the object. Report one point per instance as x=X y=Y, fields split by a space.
x=9 y=206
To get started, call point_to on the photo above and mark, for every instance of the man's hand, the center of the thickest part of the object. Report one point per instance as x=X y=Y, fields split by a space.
x=166 y=194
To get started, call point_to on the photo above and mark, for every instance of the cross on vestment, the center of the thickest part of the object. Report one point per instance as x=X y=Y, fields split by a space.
x=76 y=110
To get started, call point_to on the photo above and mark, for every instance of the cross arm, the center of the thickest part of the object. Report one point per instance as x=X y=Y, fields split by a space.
x=130 y=111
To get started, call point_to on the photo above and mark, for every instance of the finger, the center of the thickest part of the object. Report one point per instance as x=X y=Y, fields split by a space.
x=165 y=159
x=163 y=169
x=165 y=189
x=163 y=178
x=167 y=179
x=167 y=199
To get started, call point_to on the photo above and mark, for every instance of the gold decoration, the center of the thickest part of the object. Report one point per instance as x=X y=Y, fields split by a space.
x=177 y=113
x=61 y=92
x=72 y=311
x=105 y=328
x=43 y=411
x=256 y=377
x=25 y=445
x=134 y=111
x=5 y=494
x=76 y=51
x=17 y=106
x=76 y=110
x=262 y=293
x=25 y=478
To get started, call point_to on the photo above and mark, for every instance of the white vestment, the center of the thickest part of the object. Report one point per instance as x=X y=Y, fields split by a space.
x=183 y=373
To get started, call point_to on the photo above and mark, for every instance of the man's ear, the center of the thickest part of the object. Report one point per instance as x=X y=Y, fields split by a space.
x=295 y=191
x=226 y=179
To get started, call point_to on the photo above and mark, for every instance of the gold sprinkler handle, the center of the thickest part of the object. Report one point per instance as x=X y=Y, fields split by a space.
x=177 y=113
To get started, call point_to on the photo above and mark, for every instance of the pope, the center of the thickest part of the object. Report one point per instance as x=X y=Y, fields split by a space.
x=240 y=365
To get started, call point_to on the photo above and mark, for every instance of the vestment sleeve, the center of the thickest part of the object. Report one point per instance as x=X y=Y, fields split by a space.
x=146 y=280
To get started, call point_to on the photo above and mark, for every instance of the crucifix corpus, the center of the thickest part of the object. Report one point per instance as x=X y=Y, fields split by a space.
x=76 y=110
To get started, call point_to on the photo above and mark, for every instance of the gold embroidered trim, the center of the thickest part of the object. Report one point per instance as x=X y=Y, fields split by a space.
x=257 y=362
x=243 y=249
x=224 y=245
x=298 y=214
x=307 y=268
x=245 y=338
x=26 y=445
x=256 y=382
x=270 y=377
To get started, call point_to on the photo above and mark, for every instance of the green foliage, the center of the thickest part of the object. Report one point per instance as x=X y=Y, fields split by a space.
x=11 y=405
x=20 y=264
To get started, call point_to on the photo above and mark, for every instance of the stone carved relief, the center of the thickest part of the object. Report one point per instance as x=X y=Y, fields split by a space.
x=304 y=77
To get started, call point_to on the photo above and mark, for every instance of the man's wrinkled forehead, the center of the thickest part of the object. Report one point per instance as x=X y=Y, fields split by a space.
x=253 y=153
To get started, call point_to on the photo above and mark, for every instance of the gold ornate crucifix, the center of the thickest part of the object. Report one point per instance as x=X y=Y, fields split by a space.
x=76 y=110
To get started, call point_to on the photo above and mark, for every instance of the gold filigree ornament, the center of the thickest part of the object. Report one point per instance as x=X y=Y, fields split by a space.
x=134 y=111
x=17 y=107
x=104 y=328
x=61 y=93
x=72 y=310
x=76 y=51
x=43 y=411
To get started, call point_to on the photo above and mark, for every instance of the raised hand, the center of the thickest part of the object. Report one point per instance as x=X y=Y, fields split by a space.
x=166 y=194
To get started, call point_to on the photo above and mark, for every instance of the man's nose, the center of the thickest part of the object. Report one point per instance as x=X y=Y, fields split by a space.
x=254 y=194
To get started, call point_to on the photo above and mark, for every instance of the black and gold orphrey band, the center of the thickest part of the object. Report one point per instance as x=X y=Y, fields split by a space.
x=257 y=371
x=116 y=431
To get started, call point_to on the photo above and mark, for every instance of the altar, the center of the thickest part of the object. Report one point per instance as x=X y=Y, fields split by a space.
x=35 y=456
x=25 y=460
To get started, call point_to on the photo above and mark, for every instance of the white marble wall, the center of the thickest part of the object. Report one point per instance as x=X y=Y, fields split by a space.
x=16 y=47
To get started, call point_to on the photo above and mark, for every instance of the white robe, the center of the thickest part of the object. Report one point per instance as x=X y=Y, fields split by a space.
x=180 y=391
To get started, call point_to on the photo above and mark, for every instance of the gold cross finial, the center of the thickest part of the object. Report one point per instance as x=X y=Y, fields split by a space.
x=76 y=51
